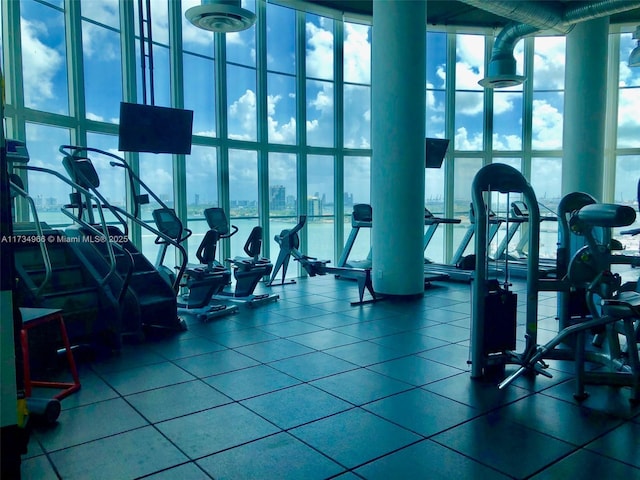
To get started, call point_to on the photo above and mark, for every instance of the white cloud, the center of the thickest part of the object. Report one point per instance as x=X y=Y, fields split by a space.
x=507 y=142
x=548 y=63
x=319 y=52
x=285 y=133
x=242 y=115
x=40 y=61
x=546 y=127
x=357 y=54
x=464 y=142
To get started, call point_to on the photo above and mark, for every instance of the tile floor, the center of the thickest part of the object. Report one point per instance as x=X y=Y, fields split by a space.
x=310 y=387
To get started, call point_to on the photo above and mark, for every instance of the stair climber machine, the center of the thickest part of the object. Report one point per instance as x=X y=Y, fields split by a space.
x=151 y=295
x=289 y=242
x=53 y=273
x=493 y=314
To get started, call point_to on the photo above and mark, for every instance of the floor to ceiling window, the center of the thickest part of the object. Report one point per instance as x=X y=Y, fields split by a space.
x=282 y=113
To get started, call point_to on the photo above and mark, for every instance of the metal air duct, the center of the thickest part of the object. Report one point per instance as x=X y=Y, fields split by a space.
x=529 y=17
x=221 y=16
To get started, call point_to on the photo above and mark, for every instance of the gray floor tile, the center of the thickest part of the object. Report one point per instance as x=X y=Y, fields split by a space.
x=273 y=350
x=453 y=355
x=422 y=412
x=89 y=422
x=37 y=468
x=478 y=394
x=215 y=363
x=324 y=339
x=148 y=377
x=187 y=471
x=623 y=444
x=565 y=421
x=176 y=400
x=427 y=460
x=250 y=382
x=312 y=366
x=364 y=353
x=408 y=343
x=129 y=455
x=504 y=445
x=414 y=370
x=290 y=328
x=354 y=437
x=294 y=406
x=178 y=347
x=279 y=457
x=586 y=464
x=361 y=386
x=368 y=330
x=214 y=430
x=238 y=338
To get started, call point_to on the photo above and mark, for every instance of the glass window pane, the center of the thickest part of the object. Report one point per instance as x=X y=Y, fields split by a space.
x=468 y=120
x=281 y=108
x=102 y=69
x=113 y=180
x=357 y=53
x=507 y=120
x=161 y=77
x=44 y=58
x=627 y=175
x=320 y=113
x=105 y=12
x=320 y=206
x=464 y=171
x=243 y=195
x=241 y=46
x=48 y=192
x=357 y=116
x=469 y=61
x=548 y=63
x=160 y=21
x=156 y=171
x=628 y=122
x=241 y=103
x=436 y=59
x=202 y=192
x=194 y=39
x=199 y=93
x=546 y=180
x=435 y=113
x=319 y=47
x=434 y=201
x=281 y=39
x=357 y=182
x=547 y=121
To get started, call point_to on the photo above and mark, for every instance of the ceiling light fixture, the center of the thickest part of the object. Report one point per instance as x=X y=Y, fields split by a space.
x=221 y=16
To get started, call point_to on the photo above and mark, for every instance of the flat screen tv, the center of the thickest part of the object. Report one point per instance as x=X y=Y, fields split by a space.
x=148 y=128
x=436 y=148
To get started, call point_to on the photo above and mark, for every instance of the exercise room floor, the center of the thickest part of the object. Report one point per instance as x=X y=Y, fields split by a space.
x=310 y=387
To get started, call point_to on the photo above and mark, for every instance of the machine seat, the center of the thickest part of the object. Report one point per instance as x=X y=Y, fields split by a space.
x=623 y=305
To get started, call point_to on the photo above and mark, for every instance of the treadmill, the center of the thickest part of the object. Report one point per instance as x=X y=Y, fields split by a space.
x=461 y=268
x=518 y=264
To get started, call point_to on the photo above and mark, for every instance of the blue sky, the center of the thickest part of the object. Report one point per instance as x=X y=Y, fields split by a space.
x=44 y=57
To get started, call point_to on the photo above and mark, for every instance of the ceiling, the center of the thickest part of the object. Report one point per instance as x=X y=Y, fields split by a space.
x=452 y=12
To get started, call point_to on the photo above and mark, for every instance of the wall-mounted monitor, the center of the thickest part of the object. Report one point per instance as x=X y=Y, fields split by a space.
x=436 y=148
x=148 y=128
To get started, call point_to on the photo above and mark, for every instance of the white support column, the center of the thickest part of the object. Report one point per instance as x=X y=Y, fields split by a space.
x=398 y=140
x=585 y=108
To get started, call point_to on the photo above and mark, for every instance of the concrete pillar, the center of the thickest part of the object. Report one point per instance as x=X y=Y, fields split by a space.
x=398 y=142
x=585 y=108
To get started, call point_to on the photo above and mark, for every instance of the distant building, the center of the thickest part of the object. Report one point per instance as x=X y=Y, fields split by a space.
x=314 y=206
x=277 y=197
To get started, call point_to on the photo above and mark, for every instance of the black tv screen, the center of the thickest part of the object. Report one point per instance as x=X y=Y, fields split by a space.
x=148 y=128
x=436 y=148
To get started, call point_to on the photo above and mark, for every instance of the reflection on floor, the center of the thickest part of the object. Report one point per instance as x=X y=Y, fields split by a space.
x=310 y=387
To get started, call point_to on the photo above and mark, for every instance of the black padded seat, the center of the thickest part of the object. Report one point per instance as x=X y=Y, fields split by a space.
x=624 y=305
